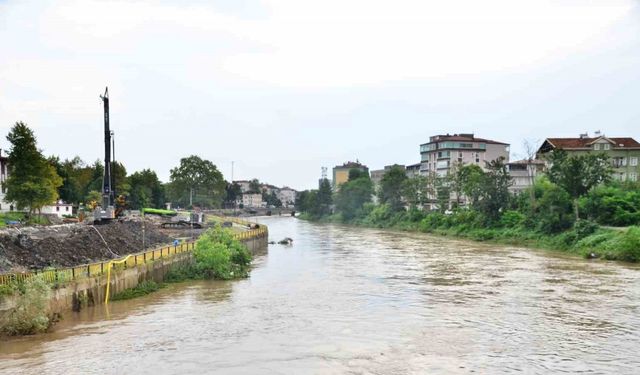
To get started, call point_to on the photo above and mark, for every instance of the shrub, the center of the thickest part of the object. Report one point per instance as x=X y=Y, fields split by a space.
x=512 y=219
x=482 y=234
x=432 y=221
x=625 y=246
x=595 y=240
x=218 y=255
x=584 y=228
x=32 y=308
x=378 y=215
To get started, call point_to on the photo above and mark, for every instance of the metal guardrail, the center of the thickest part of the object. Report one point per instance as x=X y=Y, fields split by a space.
x=130 y=260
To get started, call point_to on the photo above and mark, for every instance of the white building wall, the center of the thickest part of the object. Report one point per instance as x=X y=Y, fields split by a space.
x=59 y=209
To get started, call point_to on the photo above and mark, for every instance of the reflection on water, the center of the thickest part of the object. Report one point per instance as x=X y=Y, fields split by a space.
x=347 y=300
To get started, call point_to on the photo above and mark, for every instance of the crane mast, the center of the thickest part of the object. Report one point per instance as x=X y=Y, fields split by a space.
x=108 y=195
x=106 y=211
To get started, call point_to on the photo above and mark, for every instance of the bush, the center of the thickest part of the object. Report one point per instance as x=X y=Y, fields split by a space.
x=482 y=234
x=218 y=255
x=625 y=246
x=584 y=228
x=32 y=308
x=432 y=221
x=595 y=240
x=378 y=215
x=512 y=219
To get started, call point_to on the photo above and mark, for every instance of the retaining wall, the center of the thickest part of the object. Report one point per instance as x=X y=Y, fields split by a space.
x=76 y=294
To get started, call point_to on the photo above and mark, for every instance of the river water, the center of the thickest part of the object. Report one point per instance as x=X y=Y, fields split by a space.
x=346 y=300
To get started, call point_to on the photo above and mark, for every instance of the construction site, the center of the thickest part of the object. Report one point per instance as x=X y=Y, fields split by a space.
x=106 y=231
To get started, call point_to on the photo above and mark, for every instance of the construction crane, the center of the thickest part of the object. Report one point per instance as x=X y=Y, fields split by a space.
x=106 y=211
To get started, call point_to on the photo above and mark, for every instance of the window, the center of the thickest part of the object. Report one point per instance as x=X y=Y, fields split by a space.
x=633 y=176
x=57 y=208
x=624 y=162
x=633 y=162
x=596 y=146
x=66 y=208
x=606 y=146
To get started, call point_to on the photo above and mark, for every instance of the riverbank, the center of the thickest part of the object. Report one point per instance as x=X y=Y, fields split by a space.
x=32 y=302
x=585 y=239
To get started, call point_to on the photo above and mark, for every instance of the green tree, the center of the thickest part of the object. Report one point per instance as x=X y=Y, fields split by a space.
x=495 y=190
x=553 y=208
x=578 y=174
x=196 y=182
x=391 y=188
x=353 y=194
x=471 y=180
x=233 y=192
x=146 y=190
x=418 y=190
x=71 y=189
x=32 y=181
x=272 y=199
x=324 y=198
x=254 y=187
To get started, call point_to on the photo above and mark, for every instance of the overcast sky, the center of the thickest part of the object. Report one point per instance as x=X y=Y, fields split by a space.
x=284 y=87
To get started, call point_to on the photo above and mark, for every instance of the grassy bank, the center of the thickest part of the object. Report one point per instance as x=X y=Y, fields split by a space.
x=585 y=238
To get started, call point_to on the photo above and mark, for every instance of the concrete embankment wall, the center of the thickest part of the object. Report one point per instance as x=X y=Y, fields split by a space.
x=74 y=295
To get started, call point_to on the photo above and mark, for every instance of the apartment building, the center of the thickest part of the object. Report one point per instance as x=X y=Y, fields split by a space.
x=442 y=152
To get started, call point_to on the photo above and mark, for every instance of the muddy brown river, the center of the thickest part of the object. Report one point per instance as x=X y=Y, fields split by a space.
x=362 y=301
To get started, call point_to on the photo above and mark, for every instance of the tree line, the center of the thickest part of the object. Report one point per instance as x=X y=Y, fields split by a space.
x=574 y=199
x=35 y=180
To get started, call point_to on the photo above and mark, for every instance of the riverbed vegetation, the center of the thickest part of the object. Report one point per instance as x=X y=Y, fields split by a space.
x=574 y=207
x=217 y=255
x=142 y=289
x=31 y=312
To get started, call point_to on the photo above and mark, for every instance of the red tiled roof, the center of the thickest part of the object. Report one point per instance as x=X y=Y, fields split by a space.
x=525 y=162
x=626 y=142
x=468 y=138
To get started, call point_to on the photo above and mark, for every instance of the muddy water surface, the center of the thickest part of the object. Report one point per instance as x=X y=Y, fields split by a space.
x=361 y=301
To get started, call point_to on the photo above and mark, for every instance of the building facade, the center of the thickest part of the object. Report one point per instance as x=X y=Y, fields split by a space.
x=59 y=209
x=4 y=173
x=523 y=173
x=623 y=152
x=442 y=152
x=287 y=196
x=341 y=172
x=252 y=200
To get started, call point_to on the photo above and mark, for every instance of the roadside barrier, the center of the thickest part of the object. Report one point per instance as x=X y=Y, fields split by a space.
x=54 y=276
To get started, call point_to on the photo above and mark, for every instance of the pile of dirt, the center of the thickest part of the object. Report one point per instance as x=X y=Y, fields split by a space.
x=73 y=244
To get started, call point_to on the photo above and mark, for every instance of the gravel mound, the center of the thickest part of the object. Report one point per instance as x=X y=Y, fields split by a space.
x=69 y=245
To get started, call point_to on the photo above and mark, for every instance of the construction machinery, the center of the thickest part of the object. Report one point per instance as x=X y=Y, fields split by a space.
x=106 y=209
